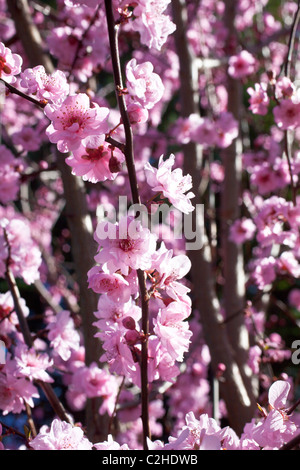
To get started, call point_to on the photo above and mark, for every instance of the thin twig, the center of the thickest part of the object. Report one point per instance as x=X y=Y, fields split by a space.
x=15 y=91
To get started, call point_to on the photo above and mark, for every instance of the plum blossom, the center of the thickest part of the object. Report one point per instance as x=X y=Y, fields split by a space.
x=114 y=285
x=74 y=121
x=61 y=436
x=32 y=364
x=171 y=183
x=168 y=270
x=241 y=65
x=53 y=88
x=95 y=162
x=9 y=175
x=242 y=230
x=24 y=254
x=286 y=114
x=8 y=317
x=15 y=391
x=62 y=335
x=110 y=444
x=172 y=331
x=129 y=245
x=93 y=382
x=276 y=428
x=153 y=25
x=143 y=85
x=259 y=100
x=10 y=64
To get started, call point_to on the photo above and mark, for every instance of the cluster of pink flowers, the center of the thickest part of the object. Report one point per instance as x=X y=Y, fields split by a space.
x=219 y=132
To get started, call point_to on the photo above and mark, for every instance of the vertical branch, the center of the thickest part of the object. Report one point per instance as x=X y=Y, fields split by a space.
x=233 y=390
x=113 y=29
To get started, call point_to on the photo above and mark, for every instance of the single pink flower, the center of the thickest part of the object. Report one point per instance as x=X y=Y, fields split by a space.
x=124 y=245
x=74 y=121
x=62 y=335
x=61 y=436
x=114 y=285
x=259 y=100
x=286 y=114
x=48 y=87
x=95 y=162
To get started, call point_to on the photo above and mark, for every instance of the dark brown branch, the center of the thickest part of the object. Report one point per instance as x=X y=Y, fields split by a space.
x=113 y=30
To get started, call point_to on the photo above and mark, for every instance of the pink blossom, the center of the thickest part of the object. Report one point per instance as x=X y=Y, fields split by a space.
x=25 y=256
x=286 y=114
x=62 y=335
x=204 y=433
x=152 y=24
x=259 y=100
x=10 y=64
x=61 y=436
x=53 y=88
x=264 y=272
x=226 y=128
x=171 y=183
x=241 y=65
x=124 y=245
x=93 y=382
x=287 y=263
x=276 y=428
x=294 y=298
x=9 y=175
x=28 y=139
x=95 y=163
x=32 y=364
x=143 y=85
x=110 y=444
x=74 y=121
x=204 y=133
x=114 y=285
x=242 y=230
x=284 y=88
x=173 y=332
x=169 y=270
x=109 y=311
x=137 y=114
x=8 y=317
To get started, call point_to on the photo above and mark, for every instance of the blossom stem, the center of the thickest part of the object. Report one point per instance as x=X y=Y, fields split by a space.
x=113 y=30
x=46 y=387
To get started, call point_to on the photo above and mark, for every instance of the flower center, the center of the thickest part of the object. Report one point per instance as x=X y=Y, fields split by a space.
x=94 y=155
x=4 y=67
